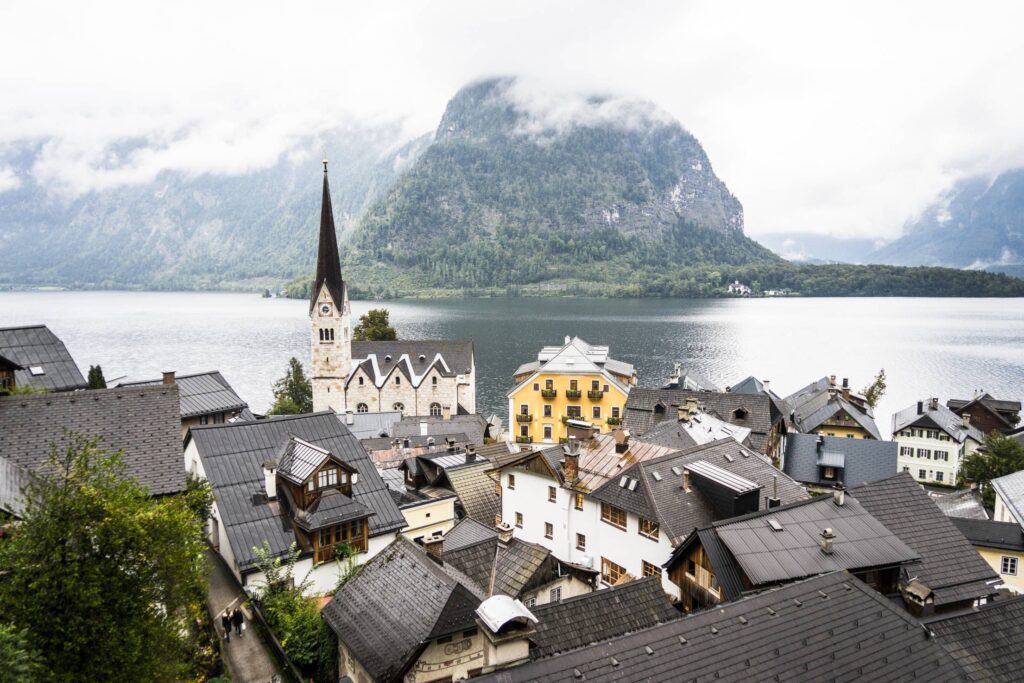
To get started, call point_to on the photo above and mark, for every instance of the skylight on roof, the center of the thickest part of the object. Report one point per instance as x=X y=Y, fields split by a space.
x=774 y=524
x=632 y=484
x=36 y=370
x=728 y=457
x=676 y=471
x=657 y=477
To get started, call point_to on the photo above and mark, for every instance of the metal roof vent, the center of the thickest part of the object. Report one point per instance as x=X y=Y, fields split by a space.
x=774 y=524
x=422 y=358
x=657 y=477
x=632 y=484
x=676 y=471
x=729 y=458
x=623 y=482
x=387 y=358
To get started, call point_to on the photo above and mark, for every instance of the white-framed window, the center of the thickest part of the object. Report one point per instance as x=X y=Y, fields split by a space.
x=530 y=601
x=555 y=594
x=615 y=411
x=524 y=430
x=547 y=432
x=549 y=530
x=597 y=412
x=547 y=410
x=921 y=474
x=435 y=410
x=362 y=407
x=1008 y=565
x=906 y=450
x=328 y=477
x=938 y=476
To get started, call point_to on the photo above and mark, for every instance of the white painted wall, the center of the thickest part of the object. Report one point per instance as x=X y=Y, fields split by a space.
x=624 y=547
x=918 y=440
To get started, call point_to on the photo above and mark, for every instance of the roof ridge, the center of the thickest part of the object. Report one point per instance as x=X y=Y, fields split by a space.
x=273 y=418
x=771 y=511
x=621 y=588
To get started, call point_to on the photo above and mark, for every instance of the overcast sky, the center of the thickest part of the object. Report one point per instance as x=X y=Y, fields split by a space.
x=826 y=117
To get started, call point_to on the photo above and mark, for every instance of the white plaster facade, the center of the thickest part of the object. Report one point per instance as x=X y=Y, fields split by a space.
x=627 y=547
x=931 y=455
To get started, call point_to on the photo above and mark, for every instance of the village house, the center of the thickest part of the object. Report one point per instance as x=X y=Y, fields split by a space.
x=140 y=422
x=759 y=412
x=986 y=641
x=827 y=627
x=13 y=479
x=206 y=398
x=33 y=356
x=464 y=472
x=728 y=559
x=688 y=379
x=987 y=413
x=823 y=461
x=623 y=513
x=1009 y=490
x=1001 y=544
x=411 y=377
x=693 y=427
x=823 y=408
x=933 y=441
x=576 y=382
x=301 y=480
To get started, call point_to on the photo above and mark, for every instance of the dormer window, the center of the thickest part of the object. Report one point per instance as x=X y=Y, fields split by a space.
x=740 y=413
x=387 y=359
x=422 y=358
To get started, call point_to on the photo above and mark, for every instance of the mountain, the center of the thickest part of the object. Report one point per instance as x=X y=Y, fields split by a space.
x=801 y=247
x=202 y=231
x=977 y=224
x=521 y=189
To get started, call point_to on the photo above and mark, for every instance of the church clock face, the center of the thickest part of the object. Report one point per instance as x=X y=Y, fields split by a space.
x=325 y=309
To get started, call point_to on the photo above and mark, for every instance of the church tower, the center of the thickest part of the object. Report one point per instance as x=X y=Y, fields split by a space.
x=330 y=317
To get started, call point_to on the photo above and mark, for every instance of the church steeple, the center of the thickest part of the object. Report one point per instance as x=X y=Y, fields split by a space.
x=328 y=263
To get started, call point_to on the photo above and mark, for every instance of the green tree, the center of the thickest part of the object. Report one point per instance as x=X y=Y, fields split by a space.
x=20 y=661
x=874 y=392
x=293 y=393
x=1001 y=455
x=25 y=390
x=100 y=576
x=374 y=326
x=96 y=379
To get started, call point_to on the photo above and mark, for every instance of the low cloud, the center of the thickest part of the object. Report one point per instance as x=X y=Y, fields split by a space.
x=9 y=180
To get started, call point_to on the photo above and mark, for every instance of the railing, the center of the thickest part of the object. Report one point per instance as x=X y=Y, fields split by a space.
x=566 y=418
x=271 y=638
x=524 y=439
x=573 y=393
x=524 y=417
x=548 y=393
x=595 y=395
x=613 y=420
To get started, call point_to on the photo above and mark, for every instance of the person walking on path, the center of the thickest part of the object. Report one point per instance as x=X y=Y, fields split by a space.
x=237 y=618
x=225 y=622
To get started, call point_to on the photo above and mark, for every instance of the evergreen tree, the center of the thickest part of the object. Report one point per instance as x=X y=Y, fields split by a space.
x=96 y=379
x=375 y=326
x=874 y=392
x=1000 y=456
x=101 y=577
x=293 y=393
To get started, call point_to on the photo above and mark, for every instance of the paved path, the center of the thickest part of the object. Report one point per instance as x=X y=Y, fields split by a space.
x=248 y=657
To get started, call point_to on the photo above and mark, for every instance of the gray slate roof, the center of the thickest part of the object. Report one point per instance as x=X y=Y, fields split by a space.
x=965 y=503
x=863 y=459
x=642 y=411
x=988 y=533
x=832 y=408
x=679 y=512
x=939 y=417
x=853 y=634
x=950 y=566
x=202 y=393
x=768 y=556
x=397 y=601
x=141 y=421
x=371 y=425
x=1010 y=488
x=466 y=533
x=13 y=479
x=986 y=642
x=502 y=569
x=412 y=358
x=233 y=457
x=475 y=489
x=594 y=617
x=473 y=426
x=36 y=346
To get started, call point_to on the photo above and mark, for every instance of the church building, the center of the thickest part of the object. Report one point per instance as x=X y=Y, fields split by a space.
x=429 y=377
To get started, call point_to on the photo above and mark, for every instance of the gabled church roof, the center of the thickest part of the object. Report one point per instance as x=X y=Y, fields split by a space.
x=328 y=263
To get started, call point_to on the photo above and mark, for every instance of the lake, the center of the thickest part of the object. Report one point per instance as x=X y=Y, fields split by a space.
x=928 y=347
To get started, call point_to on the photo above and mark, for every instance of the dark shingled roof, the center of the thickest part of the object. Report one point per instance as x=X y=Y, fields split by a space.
x=832 y=408
x=141 y=421
x=466 y=533
x=457 y=354
x=509 y=567
x=986 y=642
x=36 y=346
x=593 y=617
x=790 y=633
x=640 y=415
x=397 y=601
x=473 y=427
x=988 y=533
x=950 y=566
x=203 y=393
x=679 y=512
x=13 y=478
x=233 y=457
x=328 y=263
x=864 y=459
x=475 y=489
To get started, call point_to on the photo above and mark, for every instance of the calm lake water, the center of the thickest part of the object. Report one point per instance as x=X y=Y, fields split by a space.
x=943 y=347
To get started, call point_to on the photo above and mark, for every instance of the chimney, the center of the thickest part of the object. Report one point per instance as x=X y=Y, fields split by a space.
x=507 y=627
x=934 y=402
x=683 y=413
x=349 y=418
x=767 y=384
x=430 y=443
x=920 y=407
x=846 y=392
x=819 y=443
x=686 y=480
x=965 y=419
x=169 y=377
x=434 y=548
x=621 y=437
x=846 y=383
x=839 y=494
x=446 y=412
x=673 y=379
x=568 y=339
x=504 y=532
x=774 y=501
x=827 y=537
x=832 y=381
x=270 y=479
x=571 y=464
x=470 y=454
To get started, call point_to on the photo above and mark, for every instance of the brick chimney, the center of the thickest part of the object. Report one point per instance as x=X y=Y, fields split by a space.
x=434 y=548
x=504 y=530
x=270 y=479
x=571 y=464
x=169 y=377
x=470 y=454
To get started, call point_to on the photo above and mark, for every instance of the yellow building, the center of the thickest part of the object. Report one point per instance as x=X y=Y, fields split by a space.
x=576 y=381
x=1001 y=544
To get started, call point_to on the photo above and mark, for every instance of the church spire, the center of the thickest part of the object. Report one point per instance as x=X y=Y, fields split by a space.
x=328 y=263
